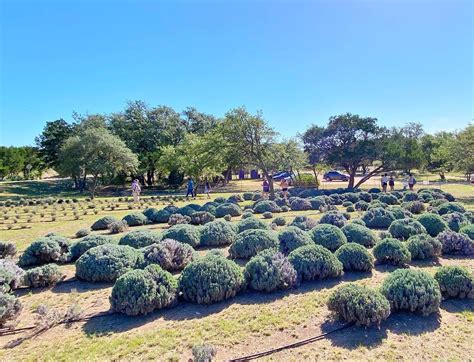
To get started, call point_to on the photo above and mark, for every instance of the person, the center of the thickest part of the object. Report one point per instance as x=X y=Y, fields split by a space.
x=391 y=183
x=190 y=188
x=265 y=188
x=411 y=182
x=384 y=181
x=207 y=189
x=284 y=187
x=136 y=191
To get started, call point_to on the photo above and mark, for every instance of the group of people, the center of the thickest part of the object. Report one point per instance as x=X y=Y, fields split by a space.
x=284 y=185
x=390 y=181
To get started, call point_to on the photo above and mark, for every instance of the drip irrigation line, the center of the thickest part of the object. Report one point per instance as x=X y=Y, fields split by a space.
x=291 y=345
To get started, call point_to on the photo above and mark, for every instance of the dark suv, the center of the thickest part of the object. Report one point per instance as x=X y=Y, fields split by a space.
x=335 y=176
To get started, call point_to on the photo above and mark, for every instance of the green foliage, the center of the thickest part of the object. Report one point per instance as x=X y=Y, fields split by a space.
x=267 y=215
x=54 y=135
x=410 y=196
x=303 y=222
x=263 y=206
x=300 y=204
x=82 y=232
x=415 y=207
x=118 y=227
x=11 y=276
x=359 y=234
x=135 y=219
x=105 y=263
x=183 y=233
x=43 y=276
x=404 y=228
x=249 y=242
x=90 y=241
x=355 y=257
x=7 y=250
x=455 y=243
x=455 y=281
x=358 y=304
x=456 y=221
x=433 y=223
x=203 y=352
x=378 y=218
x=449 y=207
x=140 y=238
x=251 y=223
x=270 y=270
x=468 y=230
x=333 y=217
x=103 y=223
x=202 y=218
x=315 y=262
x=399 y=212
x=391 y=251
x=388 y=199
x=217 y=233
x=10 y=308
x=423 y=246
x=211 y=279
x=280 y=221
x=46 y=250
x=329 y=236
x=169 y=254
x=412 y=290
x=228 y=209
x=292 y=238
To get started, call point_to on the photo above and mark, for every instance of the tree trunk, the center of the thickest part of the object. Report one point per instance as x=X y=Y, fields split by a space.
x=315 y=176
x=369 y=175
x=351 y=183
x=149 y=177
x=270 y=184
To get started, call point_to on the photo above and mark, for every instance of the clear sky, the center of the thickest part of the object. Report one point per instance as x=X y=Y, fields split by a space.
x=298 y=62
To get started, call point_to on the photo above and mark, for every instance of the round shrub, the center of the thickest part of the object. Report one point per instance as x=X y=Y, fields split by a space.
x=391 y=251
x=140 y=238
x=399 y=212
x=358 y=304
x=350 y=209
x=355 y=257
x=376 y=203
x=228 y=209
x=437 y=202
x=183 y=233
x=11 y=275
x=334 y=218
x=211 y=279
x=404 y=228
x=118 y=227
x=412 y=290
x=358 y=222
x=176 y=219
x=415 y=207
x=347 y=204
x=317 y=202
x=143 y=291
x=248 y=196
x=103 y=223
x=359 y=234
x=7 y=250
x=455 y=221
x=388 y=199
x=265 y=206
x=303 y=222
x=280 y=221
x=135 y=219
x=217 y=233
x=292 y=238
x=169 y=254
x=468 y=230
x=228 y=218
x=187 y=210
x=10 y=308
x=410 y=196
x=423 y=247
x=270 y=270
x=235 y=198
x=299 y=204
x=455 y=282
x=351 y=197
x=209 y=207
x=374 y=190
x=247 y=214
x=267 y=215
x=251 y=223
x=329 y=236
x=365 y=196
x=105 y=263
x=285 y=208
x=433 y=223
x=82 y=232
x=80 y=247
x=455 y=243
x=159 y=216
x=149 y=211
x=43 y=276
x=46 y=250
x=315 y=262
x=248 y=243
x=449 y=207
x=378 y=218
x=202 y=218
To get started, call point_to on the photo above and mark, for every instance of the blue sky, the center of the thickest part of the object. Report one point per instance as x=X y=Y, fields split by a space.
x=298 y=62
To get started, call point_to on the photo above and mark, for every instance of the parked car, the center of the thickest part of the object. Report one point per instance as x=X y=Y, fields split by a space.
x=335 y=176
x=281 y=175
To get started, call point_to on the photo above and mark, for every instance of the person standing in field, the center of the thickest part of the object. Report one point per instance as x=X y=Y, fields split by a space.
x=207 y=189
x=190 y=189
x=136 y=189
x=384 y=182
x=265 y=188
x=411 y=182
x=391 y=183
x=284 y=187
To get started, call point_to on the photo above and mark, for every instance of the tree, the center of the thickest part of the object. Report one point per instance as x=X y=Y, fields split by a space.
x=288 y=156
x=437 y=151
x=50 y=141
x=198 y=122
x=17 y=162
x=462 y=151
x=98 y=153
x=411 y=152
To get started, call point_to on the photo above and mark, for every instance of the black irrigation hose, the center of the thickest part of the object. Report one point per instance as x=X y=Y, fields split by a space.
x=291 y=345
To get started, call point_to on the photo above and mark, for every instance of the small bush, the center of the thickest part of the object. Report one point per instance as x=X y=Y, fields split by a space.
x=270 y=270
x=449 y=207
x=251 y=223
x=248 y=196
x=202 y=218
x=423 y=247
x=334 y=218
x=317 y=202
x=376 y=203
x=43 y=276
x=329 y=236
x=280 y=221
x=210 y=279
x=217 y=233
x=285 y=208
x=159 y=216
x=183 y=233
x=303 y=222
x=365 y=196
x=351 y=197
x=292 y=238
x=263 y=206
x=82 y=232
x=415 y=207
x=433 y=223
x=140 y=238
x=7 y=250
x=455 y=221
x=169 y=254
x=203 y=352
x=267 y=215
x=81 y=246
x=399 y=212
x=359 y=234
x=118 y=227
x=355 y=257
x=378 y=218
x=105 y=263
x=299 y=204
x=391 y=251
x=315 y=262
x=46 y=250
x=10 y=308
x=177 y=219
x=228 y=209
x=135 y=219
x=350 y=209
x=404 y=228
x=358 y=304
x=410 y=196
x=388 y=199
x=103 y=223
x=468 y=230
x=235 y=198
x=358 y=222
x=454 y=243
x=250 y=242
x=412 y=290
x=187 y=210
x=455 y=282
x=11 y=276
